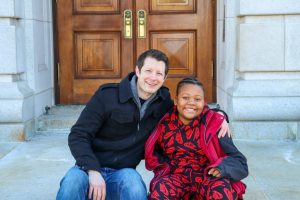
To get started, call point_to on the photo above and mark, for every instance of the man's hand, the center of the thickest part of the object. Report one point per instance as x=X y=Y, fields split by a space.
x=224 y=129
x=97 y=187
x=215 y=172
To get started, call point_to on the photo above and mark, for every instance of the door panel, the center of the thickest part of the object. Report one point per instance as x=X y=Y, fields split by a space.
x=181 y=47
x=172 y=6
x=96 y=6
x=183 y=29
x=97 y=55
x=93 y=49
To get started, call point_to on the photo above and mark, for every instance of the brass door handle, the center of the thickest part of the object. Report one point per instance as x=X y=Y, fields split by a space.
x=141 y=15
x=128 y=24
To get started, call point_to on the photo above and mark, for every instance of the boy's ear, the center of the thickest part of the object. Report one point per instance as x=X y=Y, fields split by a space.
x=175 y=100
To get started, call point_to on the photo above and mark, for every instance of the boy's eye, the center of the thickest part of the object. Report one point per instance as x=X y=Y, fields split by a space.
x=186 y=98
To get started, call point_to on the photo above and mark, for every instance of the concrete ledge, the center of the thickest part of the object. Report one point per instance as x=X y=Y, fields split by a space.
x=265 y=130
x=266 y=100
x=13 y=132
x=268 y=88
x=266 y=108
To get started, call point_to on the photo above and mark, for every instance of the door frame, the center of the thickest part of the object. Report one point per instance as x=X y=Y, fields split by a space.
x=56 y=51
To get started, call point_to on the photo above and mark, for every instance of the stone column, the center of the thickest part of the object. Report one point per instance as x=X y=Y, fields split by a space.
x=261 y=92
x=16 y=97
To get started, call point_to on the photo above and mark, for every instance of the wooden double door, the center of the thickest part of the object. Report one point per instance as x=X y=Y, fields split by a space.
x=99 y=42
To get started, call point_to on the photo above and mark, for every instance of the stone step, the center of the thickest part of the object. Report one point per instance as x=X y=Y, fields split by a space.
x=63 y=117
x=33 y=169
x=59 y=118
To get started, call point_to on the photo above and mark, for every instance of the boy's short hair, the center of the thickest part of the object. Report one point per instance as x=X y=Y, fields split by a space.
x=189 y=80
x=156 y=54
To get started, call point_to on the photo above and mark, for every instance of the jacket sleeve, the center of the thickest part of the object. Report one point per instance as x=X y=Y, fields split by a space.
x=154 y=159
x=234 y=165
x=84 y=131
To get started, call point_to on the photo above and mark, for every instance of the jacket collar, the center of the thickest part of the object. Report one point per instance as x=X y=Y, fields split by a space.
x=125 y=91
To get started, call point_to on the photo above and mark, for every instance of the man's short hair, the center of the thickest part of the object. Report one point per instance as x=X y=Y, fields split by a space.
x=157 y=55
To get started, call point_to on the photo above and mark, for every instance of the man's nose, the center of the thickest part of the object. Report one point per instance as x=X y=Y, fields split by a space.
x=154 y=75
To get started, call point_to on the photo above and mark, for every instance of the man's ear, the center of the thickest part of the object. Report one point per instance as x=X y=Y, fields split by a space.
x=137 y=71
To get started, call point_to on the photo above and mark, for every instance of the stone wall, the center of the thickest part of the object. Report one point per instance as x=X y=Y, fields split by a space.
x=26 y=65
x=259 y=67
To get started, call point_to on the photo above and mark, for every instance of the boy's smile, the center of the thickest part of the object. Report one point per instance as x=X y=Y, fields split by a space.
x=189 y=102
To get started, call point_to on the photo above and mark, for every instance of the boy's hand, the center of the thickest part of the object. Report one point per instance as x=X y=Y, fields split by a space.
x=215 y=172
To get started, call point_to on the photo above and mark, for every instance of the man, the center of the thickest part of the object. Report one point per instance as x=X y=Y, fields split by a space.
x=108 y=139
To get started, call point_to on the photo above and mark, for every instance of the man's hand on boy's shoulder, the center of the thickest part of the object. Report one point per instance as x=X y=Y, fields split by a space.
x=224 y=129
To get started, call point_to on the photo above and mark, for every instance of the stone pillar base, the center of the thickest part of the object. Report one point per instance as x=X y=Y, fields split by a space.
x=265 y=130
x=265 y=109
x=16 y=132
x=16 y=111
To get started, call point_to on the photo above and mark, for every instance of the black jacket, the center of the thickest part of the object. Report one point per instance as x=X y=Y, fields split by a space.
x=109 y=131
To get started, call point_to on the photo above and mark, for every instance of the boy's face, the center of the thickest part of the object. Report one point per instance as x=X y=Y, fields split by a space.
x=189 y=102
x=150 y=78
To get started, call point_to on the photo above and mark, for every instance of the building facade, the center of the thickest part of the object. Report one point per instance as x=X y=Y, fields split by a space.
x=257 y=63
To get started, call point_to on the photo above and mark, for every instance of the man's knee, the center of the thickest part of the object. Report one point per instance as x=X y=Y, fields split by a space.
x=74 y=183
x=132 y=184
x=75 y=176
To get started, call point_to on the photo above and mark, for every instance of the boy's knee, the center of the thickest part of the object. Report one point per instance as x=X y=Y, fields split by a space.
x=221 y=187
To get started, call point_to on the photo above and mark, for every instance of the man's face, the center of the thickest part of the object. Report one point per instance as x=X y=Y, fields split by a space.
x=189 y=102
x=150 y=78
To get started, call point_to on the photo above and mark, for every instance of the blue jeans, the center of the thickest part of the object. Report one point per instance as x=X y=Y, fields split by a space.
x=122 y=184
